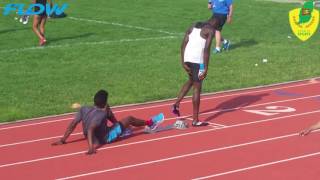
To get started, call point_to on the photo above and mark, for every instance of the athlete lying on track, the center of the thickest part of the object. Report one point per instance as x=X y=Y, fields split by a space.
x=94 y=123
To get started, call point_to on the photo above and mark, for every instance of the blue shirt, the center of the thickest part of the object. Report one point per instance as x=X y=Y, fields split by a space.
x=221 y=6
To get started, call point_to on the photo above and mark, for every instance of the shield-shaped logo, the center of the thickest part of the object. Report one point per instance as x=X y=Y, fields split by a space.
x=304 y=21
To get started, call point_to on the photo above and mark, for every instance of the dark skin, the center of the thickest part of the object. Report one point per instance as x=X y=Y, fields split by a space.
x=126 y=122
x=207 y=32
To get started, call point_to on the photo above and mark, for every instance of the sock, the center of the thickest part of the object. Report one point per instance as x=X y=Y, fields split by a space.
x=149 y=122
x=218 y=48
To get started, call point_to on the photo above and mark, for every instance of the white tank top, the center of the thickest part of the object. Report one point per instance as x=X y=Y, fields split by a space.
x=195 y=48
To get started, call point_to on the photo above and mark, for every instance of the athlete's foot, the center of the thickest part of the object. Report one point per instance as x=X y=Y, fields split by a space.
x=226 y=45
x=199 y=123
x=175 y=110
x=156 y=120
x=42 y=42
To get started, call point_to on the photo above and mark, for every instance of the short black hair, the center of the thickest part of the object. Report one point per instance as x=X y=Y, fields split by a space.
x=101 y=98
x=200 y=24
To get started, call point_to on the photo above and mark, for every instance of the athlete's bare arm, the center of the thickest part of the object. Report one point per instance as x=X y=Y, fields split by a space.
x=69 y=130
x=91 y=148
x=183 y=47
x=208 y=33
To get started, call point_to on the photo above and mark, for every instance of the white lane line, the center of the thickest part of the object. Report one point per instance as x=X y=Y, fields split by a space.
x=157 y=139
x=124 y=25
x=180 y=157
x=188 y=101
x=34 y=124
x=259 y=166
x=215 y=125
x=218 y=125
x=86 y=44
x=36 y=140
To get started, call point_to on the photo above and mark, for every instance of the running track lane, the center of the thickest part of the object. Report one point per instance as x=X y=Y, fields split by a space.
x=210 y=104
x=43 y=148
x=182 y=145
x=215 y=159
x=155 y=144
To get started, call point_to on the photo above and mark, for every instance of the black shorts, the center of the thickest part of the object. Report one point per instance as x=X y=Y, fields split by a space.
x=114 y=132
x=194 y=71
x=36 y=9
x=222 y=18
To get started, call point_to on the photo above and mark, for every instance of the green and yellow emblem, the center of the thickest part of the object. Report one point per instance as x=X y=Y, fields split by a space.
x=304 y=21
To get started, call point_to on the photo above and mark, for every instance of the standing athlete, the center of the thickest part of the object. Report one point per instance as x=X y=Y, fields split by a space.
x=39 y=22
x=94 y=123
x=222 y=10
x=195 y=52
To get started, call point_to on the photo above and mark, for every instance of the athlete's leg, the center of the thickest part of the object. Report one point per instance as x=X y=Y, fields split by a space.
x=119 y=128
x=196 y=100
x=184 y=90
x=132 y=121
x=218 y=40
x=42 y=25
x=35 y=26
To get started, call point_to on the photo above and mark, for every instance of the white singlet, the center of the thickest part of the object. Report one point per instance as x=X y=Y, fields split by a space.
x=195 y=48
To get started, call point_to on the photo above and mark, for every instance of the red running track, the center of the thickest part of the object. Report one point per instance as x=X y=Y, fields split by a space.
x=253 y=134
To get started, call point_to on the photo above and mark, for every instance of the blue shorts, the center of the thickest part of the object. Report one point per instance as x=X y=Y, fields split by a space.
x=114 y=132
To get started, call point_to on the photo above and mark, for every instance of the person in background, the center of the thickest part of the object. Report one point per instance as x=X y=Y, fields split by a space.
x=223 y=11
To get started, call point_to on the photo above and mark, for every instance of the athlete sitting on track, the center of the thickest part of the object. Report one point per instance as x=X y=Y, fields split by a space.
x=310 y=129
x=94 y=122
x=195 y=50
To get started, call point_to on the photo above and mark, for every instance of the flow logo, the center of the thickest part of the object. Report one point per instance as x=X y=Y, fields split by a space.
x=304 y=21
x=39 y=9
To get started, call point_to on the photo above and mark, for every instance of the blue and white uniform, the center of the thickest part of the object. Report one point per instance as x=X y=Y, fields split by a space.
x=221 y=6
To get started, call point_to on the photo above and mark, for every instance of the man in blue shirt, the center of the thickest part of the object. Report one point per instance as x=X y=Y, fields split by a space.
x=222 y=10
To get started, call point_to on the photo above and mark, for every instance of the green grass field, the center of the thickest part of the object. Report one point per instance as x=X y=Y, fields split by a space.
x=132 y=49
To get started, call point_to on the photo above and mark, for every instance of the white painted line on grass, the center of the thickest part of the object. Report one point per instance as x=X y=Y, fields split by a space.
x=124 y=25
x=259 y=166
x=86 y=44
x=187 y=101
x=180 y=157
x=157 y=139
